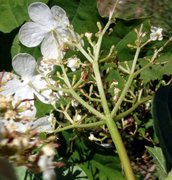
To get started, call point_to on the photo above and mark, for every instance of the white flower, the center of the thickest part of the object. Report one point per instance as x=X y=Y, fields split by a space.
x=73 y=63
x=156 y=33
x=92 y=137
x=49 y=26
x=77 y=117
x=74 y=103
x=29 y=82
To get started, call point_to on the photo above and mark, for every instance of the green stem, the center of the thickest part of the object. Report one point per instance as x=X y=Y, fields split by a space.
x=82 y=50
x=66 y=79
x=78 y=98
x=86 y=105
x=127 y=85
x=134 y=106
x=78 y=126
x=116 y=137
x=103 y=122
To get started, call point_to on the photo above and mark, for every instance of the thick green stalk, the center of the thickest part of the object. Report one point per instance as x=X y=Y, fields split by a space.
x=116 y=137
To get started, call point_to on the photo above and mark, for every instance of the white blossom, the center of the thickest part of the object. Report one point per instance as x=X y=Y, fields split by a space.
x=74 y=103
x=28 y=83
x=73 y=63
x=156 y=33
x=49 y=26
x=77 y=117
x=92 y=137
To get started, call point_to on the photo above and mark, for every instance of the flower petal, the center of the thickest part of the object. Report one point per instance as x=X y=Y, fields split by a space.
x=50 y=48
x=31 y=34
x=10 y=83
x=24 y=64
x=60 y=16
x=41 y=14
x=23 y=93
x=42 y=125
x=41 y=90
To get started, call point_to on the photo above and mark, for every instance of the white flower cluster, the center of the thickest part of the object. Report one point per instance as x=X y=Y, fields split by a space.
x=49 y=28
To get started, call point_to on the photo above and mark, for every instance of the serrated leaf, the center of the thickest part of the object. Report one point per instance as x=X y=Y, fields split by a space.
x=122 y=34
x=161 y=67
x=13 y=13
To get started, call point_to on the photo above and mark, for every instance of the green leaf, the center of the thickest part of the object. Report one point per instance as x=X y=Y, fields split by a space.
x=159 y=160
x=162 y=115
x=13 y=13
x=97 y=162
x=103 y=167
x=162 y=66
x=72 y=172
x=42 y=109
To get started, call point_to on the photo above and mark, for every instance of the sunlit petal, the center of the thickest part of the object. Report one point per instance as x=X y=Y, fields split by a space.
x=31 y=34
x=40 y=13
